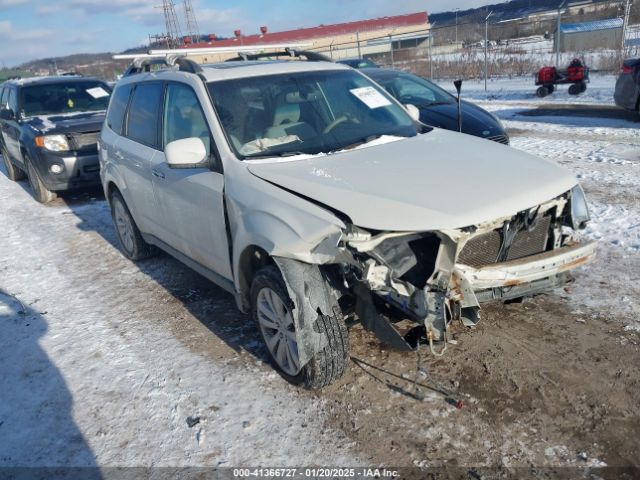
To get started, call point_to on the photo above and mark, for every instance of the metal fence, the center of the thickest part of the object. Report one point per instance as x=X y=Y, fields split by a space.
x=488 y=47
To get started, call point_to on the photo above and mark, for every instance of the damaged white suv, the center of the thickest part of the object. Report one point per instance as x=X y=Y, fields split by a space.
x=310 y=194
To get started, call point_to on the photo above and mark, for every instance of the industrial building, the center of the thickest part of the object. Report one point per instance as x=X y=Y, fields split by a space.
x=598 y=35
x=342 y=40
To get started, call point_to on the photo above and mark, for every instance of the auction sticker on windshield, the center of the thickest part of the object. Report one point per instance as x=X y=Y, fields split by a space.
x=97 y=92
x=371 y=97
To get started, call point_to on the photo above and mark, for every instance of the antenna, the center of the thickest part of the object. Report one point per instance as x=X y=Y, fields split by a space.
x=174 y=36
x=193 y=30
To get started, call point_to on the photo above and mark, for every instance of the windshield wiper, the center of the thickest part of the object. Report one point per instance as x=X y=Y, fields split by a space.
x=433 y=104
x=279 y=154
x=355 y=144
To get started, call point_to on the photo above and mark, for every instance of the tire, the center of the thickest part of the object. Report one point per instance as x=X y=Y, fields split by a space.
x=40 y=192
x=574 y=89
x=551 y=89
x=583 y=87
x=542 y=91
x=325 y=366
x=131 y=242
x=13 y=172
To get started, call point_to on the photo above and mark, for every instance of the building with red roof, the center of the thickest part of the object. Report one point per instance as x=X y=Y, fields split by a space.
x=340 y=40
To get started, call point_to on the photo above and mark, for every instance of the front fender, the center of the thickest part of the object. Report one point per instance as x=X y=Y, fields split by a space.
x=280 y=223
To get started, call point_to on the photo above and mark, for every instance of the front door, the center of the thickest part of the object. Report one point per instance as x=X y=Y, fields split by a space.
x=192 y=199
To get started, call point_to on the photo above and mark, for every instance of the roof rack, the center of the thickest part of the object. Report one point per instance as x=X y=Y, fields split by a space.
x=143 y=63
x=287 y=52
x=198 y=51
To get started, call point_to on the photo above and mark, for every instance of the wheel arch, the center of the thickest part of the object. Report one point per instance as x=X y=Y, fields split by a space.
x=250 y=261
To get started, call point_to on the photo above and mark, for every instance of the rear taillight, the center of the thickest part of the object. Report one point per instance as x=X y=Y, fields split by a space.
x=626 y=69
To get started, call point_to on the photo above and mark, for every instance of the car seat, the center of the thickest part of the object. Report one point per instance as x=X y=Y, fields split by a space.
x=286 y=121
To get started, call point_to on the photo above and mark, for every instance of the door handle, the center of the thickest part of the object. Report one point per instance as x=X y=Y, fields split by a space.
x=118 y=155
x=157 y=173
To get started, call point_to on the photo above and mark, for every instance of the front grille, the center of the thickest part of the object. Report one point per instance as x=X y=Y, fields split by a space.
x=84 y=141
x=500 y=139
x=484 y=249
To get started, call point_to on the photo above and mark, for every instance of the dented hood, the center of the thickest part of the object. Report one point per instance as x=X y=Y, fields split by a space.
x=435 y=181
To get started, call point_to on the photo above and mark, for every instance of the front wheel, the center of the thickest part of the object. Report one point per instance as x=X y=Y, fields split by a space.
x=13 y=172
x=40 y=192
x=272 y=310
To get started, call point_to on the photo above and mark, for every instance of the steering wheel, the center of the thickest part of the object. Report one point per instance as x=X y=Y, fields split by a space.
x=345 y=117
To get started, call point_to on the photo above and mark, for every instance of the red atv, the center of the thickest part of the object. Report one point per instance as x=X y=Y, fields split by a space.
x=577 y=74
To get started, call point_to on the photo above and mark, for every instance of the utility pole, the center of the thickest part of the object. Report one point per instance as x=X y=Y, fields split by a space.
x=486 y=49
x=430 y=51
x=625 y=24
x=193 y=30
x=171 y=23
x=358 y=40
x=391 y=44
x=457 y=10
x=559 y=33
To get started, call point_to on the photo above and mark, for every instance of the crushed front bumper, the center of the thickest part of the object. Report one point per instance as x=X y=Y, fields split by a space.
x=529 y=269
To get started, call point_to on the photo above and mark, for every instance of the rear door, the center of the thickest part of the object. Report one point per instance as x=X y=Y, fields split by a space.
x=192 y=199
x=135 y=151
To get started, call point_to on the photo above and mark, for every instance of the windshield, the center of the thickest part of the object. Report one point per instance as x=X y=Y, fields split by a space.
x=61 y=98
x=306 y=113
x=411 y=89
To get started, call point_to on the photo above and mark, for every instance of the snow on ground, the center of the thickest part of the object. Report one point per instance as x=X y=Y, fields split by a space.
x=599 y=90
x=89 y=379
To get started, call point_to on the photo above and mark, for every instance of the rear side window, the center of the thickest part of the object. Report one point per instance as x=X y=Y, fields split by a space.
x=142 y=121
x=118 y=107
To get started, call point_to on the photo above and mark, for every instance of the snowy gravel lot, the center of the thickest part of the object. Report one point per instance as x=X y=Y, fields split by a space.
x=103 y=362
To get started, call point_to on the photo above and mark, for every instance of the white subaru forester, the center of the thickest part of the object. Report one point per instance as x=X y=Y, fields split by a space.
x=318 y=201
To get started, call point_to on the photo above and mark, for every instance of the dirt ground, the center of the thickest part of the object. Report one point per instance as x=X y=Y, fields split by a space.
x=539 y=386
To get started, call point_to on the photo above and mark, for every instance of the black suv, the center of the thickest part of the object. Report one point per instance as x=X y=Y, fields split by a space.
x=48 y=131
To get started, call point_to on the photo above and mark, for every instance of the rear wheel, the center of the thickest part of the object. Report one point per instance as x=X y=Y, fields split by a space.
x=131 y=242
x=40 y=192
x=575 y=89
x=272 y=310
x=542 y=91
x=13 y=172
x=551 y=88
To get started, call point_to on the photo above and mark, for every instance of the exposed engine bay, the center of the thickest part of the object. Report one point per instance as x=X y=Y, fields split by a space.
x=435 y=278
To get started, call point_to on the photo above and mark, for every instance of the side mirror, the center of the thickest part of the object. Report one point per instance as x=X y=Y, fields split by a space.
x=185 y=153
x=7 y=114
x=413 y=111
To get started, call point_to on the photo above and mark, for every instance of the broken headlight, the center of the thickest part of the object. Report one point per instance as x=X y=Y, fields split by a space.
x=579 y=208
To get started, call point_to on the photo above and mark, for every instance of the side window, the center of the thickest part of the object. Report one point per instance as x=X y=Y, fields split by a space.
x=183 y=116
x=142 y=121
x=408 y=90
x=4 y=94
x=12 y=101
x=118 y=107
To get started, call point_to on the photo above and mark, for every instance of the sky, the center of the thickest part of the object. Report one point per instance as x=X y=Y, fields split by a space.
x=31 y=29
